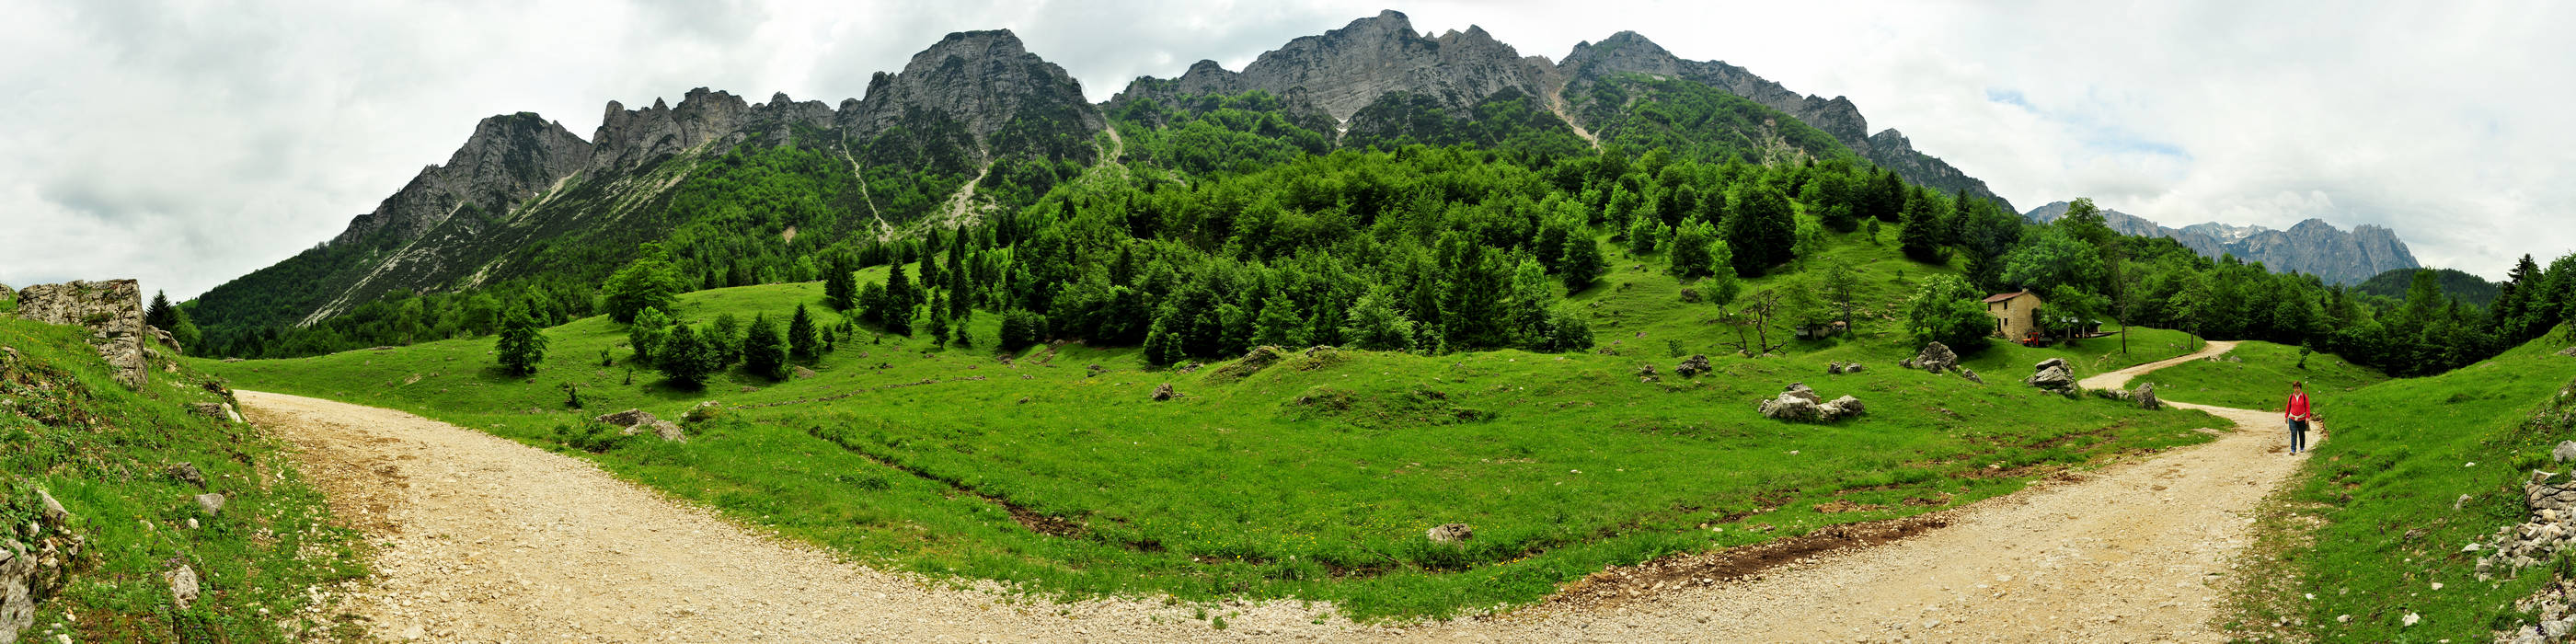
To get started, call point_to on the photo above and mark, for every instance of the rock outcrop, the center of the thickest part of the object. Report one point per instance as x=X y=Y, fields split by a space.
x=1450 y=533
x=2546 y=531
x=113 y=312
x=35 y=556
x=1693 y=366
x=637 y=421
x=1935 y=358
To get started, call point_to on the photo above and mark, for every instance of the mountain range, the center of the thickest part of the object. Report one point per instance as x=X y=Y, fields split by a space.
x=2313 y=246
x=976 y=114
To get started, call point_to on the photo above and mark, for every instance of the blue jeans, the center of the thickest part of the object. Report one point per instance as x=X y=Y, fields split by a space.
x=2298 y=435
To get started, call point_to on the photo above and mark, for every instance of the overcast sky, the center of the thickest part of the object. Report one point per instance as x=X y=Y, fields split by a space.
x=187 y=143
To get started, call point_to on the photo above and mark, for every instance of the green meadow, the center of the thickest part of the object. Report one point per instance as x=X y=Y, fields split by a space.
x=2257 y=375
x=1312 y=476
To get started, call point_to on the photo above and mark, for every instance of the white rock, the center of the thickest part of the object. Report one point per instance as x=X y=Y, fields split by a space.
x=2411 y=619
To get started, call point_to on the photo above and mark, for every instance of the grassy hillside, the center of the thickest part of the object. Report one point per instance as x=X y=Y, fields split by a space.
x=2257 y=375
x=104 y=452
x=1314 y=477
x=2401 y=454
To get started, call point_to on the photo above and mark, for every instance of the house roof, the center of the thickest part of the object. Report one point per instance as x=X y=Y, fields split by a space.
x=2006 y=296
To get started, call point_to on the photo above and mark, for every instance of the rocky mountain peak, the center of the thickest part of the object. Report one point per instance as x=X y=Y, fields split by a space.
x=508 y=157
x=980 y=79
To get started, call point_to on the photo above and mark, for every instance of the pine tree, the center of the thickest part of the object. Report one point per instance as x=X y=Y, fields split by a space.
x=803 y=340
x=161 y=315
x=1921 y=238
x=894 y=310
x=522 y=344
x=840 y=286
x=961 y=301
x=724 y=340
x=685 y=358
x=939 y=318
x=764 y=353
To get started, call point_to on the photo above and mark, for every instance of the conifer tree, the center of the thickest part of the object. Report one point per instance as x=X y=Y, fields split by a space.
x=160 y=314
x=764 y=353
x=840 y=286
x=685 y=358
x=803 y=340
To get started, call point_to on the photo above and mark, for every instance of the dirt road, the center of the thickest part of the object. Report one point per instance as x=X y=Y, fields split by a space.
x=489 y=540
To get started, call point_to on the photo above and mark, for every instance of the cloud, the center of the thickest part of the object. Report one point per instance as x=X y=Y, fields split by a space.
x=188 y=143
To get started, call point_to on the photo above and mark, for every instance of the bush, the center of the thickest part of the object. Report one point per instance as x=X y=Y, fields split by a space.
x=591 y=436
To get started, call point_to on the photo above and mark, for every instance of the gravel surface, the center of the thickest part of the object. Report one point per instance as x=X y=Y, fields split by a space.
x=488 y=540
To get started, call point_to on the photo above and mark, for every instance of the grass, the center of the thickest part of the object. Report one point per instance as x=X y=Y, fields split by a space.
x=103 y=451
x=2257 y=375
x=1313 y=478
x=2400 y=454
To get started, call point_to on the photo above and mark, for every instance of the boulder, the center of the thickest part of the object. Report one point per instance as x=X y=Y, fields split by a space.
x=187 y=473
x=703 y=412
x=210 y=503
x=1853 y=368
x=232 y=414
x=664 y=429
x=1971 y=376
x=1164 y=392
x=638 y=421
x=7 y=294
x=183 y=585
x=1840 y=408
x=628 y=418
x=2056 y=379
x=2145 y=395
x=2565 y=452
x=2051 y=363
x=52 y=510
x=1789 y=407
x=112 y=310
x=1693 y=366
x=1834 y=369
x=1450 y=533
x=1936 y=358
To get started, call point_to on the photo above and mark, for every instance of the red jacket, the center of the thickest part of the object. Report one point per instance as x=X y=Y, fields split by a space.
x=2299 y=406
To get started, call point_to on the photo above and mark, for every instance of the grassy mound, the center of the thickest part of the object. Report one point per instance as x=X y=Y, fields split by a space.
x=2257 y=375
x=2402 y=453
x=105 y=452
x=1314 y=477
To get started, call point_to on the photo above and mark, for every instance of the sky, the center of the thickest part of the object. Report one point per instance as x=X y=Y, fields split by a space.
x=187 y=142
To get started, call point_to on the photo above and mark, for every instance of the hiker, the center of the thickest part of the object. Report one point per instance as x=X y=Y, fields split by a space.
x=2298 y=416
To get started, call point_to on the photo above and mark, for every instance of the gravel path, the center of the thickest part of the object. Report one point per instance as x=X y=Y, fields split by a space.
x=487 y=540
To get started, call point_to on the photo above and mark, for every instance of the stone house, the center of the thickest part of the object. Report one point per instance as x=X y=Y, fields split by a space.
x=2016 y=314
